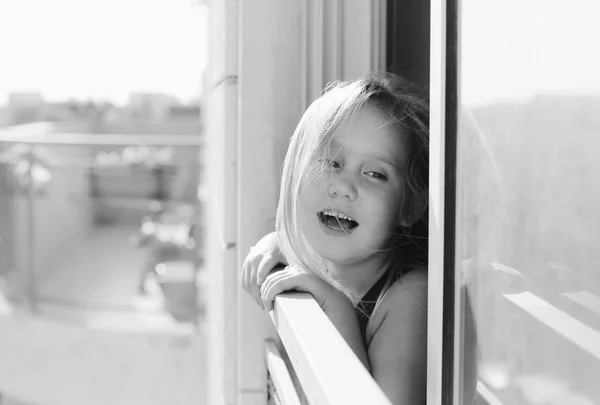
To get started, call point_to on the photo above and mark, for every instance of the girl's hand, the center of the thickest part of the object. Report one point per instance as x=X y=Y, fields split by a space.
x=335 y=304
x=261 y=260
x=294 y=278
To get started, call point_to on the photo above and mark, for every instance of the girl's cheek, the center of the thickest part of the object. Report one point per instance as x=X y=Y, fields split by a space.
x=312 y=177
x=390 y=204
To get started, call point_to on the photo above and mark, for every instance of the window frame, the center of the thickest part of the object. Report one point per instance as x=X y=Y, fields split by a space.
x=444 y=338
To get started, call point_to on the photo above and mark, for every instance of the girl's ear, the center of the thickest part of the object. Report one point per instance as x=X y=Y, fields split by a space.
x=413 y=209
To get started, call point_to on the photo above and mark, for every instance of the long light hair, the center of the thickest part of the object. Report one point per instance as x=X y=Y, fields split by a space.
x=341 y=101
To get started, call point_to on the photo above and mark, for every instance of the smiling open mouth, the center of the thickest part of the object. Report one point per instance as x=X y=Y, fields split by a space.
x=337 y=221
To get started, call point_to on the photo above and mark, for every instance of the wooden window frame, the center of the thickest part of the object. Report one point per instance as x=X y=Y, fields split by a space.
x=444 y=338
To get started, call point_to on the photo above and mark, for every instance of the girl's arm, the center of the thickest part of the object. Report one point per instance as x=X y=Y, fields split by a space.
x=398 y=350
x=342 y=315
x=335 y=304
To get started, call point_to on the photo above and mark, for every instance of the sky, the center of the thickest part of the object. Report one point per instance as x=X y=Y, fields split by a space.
x=105 y=49
x=512 y=50
x=102 y=49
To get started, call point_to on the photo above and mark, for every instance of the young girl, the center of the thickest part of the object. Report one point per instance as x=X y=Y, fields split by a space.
x=351 y=225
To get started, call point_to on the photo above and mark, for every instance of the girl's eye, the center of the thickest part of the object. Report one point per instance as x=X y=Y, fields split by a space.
x=376 y=175
x=330 y=163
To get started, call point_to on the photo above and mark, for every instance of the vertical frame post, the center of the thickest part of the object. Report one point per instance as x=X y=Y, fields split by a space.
x=270 y=103
x=221 y=101
x=435 y=331
x=444 y=292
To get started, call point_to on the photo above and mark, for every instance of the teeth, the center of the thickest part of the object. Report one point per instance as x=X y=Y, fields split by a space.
x=337 y=214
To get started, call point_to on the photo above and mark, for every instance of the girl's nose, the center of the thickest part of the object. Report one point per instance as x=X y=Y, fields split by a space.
x=342 y=187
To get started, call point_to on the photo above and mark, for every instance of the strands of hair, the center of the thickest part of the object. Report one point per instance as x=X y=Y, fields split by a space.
x=307 y=159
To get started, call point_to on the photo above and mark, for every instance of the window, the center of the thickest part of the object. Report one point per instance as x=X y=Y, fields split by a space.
x=526 y=128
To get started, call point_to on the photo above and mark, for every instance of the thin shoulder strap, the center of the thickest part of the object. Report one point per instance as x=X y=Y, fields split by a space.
x=365 y=307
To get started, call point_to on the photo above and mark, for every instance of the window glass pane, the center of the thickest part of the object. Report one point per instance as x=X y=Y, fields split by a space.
x=529 y=197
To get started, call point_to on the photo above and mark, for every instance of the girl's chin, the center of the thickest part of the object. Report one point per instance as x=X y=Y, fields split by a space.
x=341 y=254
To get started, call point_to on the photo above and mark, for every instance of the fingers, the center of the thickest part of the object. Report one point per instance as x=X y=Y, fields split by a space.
x=257 y=277
x=247 y=280
x=267 y=264
x=273 y=279
x=261 y=263
x=255 y=269
x=254 y=290
x=273 y=285
x=245 y=274
x=246 y=267
x=284 y=280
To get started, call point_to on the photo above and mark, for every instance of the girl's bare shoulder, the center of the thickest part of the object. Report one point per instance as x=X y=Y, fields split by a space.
x=410 y=290
x=398 y=348
x=407 y=295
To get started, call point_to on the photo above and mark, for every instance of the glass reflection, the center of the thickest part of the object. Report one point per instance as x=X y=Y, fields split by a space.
x=528 y=198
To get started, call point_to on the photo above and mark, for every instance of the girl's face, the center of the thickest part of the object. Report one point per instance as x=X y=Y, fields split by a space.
x=349 y=211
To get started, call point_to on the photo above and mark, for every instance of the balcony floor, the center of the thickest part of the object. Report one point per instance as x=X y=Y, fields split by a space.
x=97 y=284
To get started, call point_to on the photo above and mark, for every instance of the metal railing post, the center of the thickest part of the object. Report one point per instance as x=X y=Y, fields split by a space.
x=31 y=264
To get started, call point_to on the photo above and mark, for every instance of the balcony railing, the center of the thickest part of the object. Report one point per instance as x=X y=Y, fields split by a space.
x=78 y=203
x=316 y=358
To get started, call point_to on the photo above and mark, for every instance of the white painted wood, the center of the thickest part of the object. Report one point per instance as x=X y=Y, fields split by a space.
x=333 y=13
x=345 y=39
x=326 y=366
x=357 y=33
x=459 y=296
x=304 y=51
x=220 y=101
x=378 y=35
x=280 y=375
x=221 y=252
x=314 y=49
x=270 y=106
x=459 y=330
x=223 y=43
x=436 y=203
